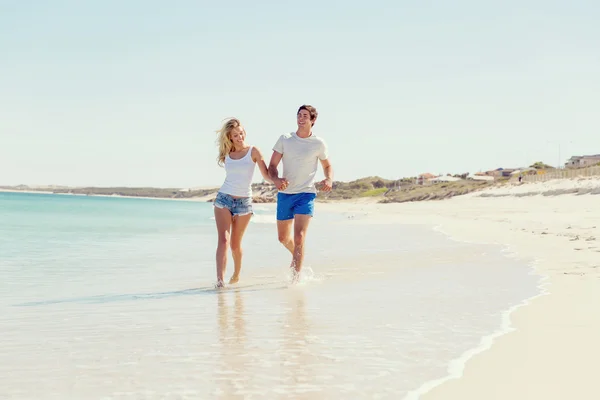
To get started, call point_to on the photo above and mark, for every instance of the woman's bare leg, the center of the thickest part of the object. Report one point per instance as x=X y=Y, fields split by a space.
x=223 y=220
x=240 y=223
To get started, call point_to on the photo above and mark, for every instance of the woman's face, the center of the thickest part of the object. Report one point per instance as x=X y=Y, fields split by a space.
x=238 y=136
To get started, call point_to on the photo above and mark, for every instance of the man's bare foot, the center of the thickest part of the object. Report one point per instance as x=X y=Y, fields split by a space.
x=219 y=284
x=295 y=276
x=234 y=279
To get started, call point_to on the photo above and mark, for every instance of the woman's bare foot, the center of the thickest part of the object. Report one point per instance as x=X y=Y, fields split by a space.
x=234 y=279
x=219 y=284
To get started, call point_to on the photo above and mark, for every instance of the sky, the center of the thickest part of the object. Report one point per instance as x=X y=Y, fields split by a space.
x=130 y=93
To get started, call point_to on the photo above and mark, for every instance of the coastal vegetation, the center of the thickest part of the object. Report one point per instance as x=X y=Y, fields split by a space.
x=541 y=165
x=377 y=188
x=404 y=190
x=373 y=188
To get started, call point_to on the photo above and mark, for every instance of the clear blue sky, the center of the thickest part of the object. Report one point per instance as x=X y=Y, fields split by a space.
x=130 y=92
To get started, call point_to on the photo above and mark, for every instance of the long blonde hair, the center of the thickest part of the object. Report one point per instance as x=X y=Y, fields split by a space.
x=224 y=139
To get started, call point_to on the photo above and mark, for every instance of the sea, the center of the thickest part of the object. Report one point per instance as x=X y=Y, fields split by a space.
x=114 y=298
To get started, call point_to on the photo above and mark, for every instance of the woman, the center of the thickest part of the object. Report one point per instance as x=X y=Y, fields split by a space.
x=233 y=204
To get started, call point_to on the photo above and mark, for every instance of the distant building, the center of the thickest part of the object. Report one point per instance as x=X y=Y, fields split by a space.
x=496 y=173
x=424 y=178
x=440 y=179
x=507 y=171
x=582 y=161
x=493 y=172
x=480 y=177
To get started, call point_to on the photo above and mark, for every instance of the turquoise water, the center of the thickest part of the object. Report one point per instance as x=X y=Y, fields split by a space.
x=59 y=222
x=112 y=298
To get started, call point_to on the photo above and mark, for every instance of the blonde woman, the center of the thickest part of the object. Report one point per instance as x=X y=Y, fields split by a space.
x=233 y=204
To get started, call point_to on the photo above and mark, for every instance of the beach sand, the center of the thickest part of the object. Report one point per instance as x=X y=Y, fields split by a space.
x=551 y=349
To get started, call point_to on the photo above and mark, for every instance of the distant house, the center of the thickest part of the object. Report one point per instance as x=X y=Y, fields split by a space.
x=440 y=179
x=496 y=173
x=507 y=171
x=480 y=177
x=424 y=178
x=493 y=172
x=582 y=161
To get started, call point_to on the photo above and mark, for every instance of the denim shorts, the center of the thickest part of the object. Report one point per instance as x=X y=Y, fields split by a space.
x=236 y=206
x=289 y=205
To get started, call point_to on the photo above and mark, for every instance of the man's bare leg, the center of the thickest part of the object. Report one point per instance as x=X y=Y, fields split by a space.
x=284 y=231
x=301 y=222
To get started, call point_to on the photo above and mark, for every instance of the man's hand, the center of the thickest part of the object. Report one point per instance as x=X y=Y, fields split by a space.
x=325 y=185
x=280 y=183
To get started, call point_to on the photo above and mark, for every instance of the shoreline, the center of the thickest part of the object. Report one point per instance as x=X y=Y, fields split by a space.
x=199 y=199
x=457 y=366
x=544 y=344
x=544 y=347
x=195 y=199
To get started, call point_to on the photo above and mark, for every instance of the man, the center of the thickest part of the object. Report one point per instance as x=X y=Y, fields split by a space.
x=300 y=153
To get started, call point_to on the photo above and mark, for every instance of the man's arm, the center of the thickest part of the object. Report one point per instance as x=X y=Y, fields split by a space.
x=327 y=183
x=275 y=159
x=281 y=184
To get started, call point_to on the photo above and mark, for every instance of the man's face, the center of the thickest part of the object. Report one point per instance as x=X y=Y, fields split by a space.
x=303 y=119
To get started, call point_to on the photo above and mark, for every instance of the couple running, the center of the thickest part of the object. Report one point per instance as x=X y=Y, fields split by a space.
x=300 y=153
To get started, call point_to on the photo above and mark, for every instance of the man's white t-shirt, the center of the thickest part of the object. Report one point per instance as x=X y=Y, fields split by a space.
x=300 y=161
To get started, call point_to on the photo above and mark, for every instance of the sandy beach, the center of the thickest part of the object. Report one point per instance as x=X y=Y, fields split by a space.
x=387 y=297
x=551 y=347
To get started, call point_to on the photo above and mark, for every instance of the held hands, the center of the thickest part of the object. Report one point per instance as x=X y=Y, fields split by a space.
x=281 y=183
x=325 y=185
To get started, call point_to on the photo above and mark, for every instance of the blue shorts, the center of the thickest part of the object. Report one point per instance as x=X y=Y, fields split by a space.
x=289 y=205
x=236 y=206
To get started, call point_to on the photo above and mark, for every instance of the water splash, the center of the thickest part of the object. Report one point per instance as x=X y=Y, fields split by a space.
x=307 y=276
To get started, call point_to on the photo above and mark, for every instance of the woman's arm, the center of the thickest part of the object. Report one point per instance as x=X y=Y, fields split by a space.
x=258 y=158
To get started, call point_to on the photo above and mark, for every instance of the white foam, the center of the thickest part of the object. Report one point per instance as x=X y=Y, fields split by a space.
x=456 y=367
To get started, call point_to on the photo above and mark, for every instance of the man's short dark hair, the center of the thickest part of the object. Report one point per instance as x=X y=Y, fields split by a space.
x=311 y=110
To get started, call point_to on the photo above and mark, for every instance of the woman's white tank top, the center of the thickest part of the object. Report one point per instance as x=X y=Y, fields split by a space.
x=238 y=175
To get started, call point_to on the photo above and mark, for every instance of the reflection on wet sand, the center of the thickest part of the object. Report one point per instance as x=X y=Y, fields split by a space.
x=280 y=359
x=299 y=362
x=232 y=374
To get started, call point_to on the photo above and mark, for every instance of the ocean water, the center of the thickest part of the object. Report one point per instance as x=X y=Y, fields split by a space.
x=113 y=298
